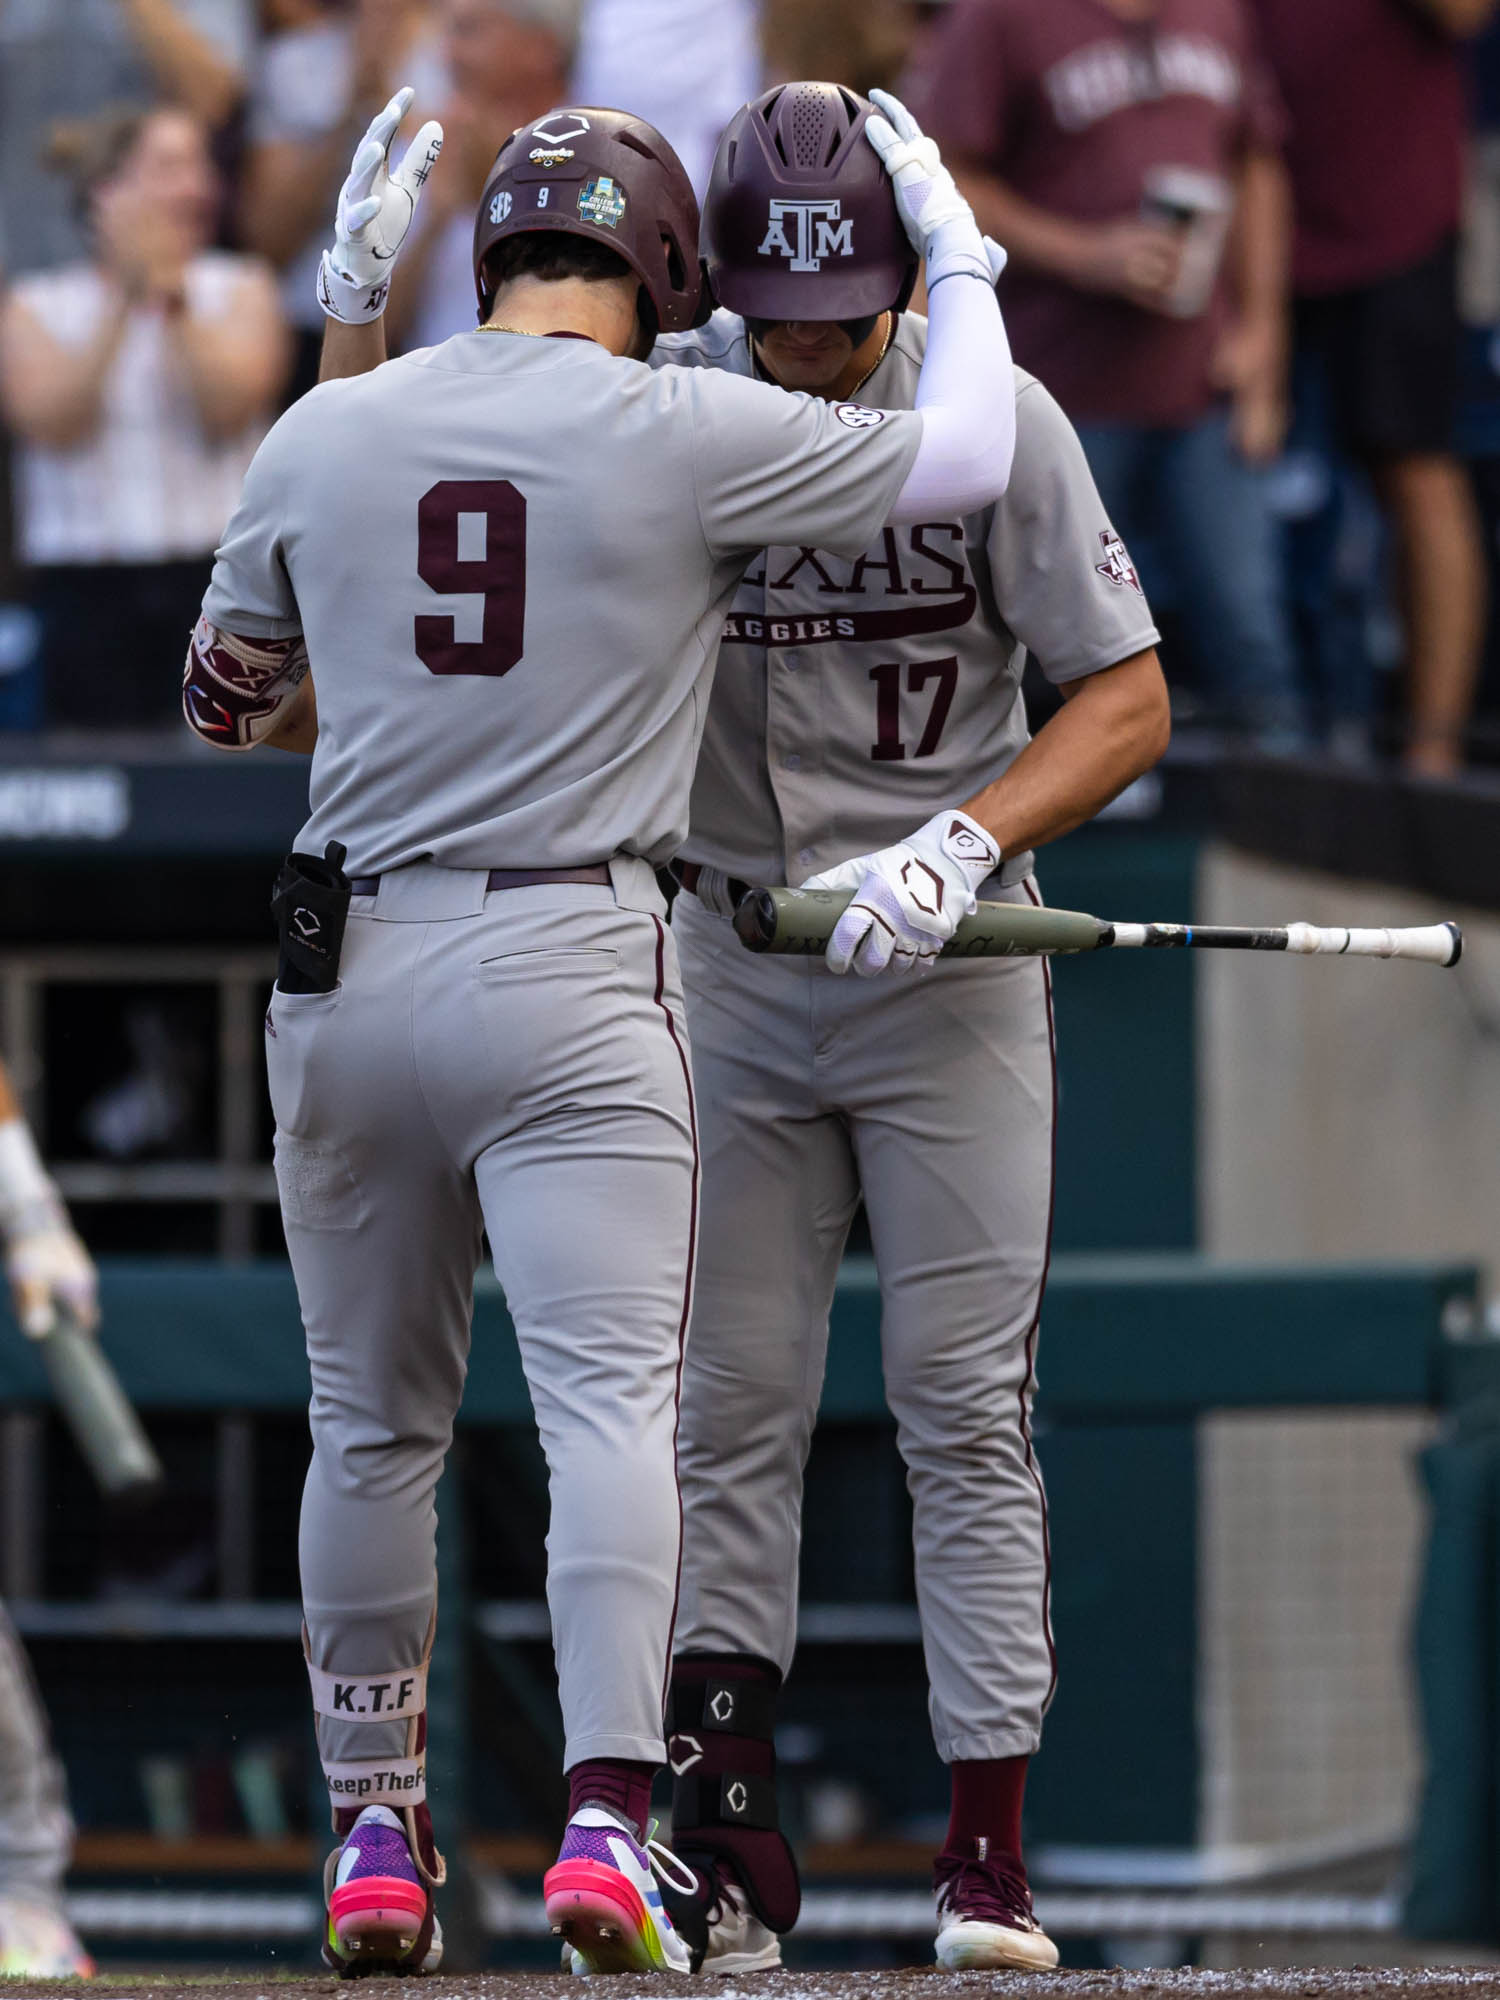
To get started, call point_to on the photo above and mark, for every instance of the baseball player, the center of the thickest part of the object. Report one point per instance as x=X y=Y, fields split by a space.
x=883 y=697
x=884 y=694
x=507 y=561
x=48 y=1268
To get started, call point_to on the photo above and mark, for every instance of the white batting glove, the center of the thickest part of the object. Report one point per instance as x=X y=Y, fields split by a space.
x=939 y=222
x=375 y=212
x=908 y=899
x=47 y=1266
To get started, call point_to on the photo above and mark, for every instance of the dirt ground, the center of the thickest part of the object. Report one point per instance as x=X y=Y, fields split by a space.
x=1302 y=1983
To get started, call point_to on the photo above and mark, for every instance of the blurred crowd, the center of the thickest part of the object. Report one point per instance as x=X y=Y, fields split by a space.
x=1254 y=252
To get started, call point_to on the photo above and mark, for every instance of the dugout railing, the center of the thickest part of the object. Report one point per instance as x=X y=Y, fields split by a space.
x=1137 y=1351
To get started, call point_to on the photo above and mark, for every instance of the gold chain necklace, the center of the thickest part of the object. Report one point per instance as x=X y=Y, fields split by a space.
x=885 y=348
x=491 y=326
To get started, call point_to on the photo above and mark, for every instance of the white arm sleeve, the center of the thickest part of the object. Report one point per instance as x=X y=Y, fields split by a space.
x=967 y=398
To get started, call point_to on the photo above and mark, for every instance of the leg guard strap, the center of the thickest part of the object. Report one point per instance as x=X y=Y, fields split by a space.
x=720 y=1743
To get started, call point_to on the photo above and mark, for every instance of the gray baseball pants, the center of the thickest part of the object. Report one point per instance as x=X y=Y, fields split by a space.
x=36 y=1830
x=515 y=1060
x=932 y=1097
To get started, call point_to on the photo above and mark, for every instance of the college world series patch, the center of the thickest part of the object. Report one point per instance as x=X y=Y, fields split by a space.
x=601 y=202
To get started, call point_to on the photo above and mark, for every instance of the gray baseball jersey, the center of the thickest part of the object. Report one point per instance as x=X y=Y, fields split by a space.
x=856 y=698
x=511 y=559
x=884 y=686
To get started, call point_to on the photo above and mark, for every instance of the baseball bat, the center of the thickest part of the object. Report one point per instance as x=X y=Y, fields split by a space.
x=99 y=1414
x=801 y=921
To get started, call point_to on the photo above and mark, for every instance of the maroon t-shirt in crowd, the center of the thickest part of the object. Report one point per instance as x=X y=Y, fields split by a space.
x=1072 y=107
x=1375 y=98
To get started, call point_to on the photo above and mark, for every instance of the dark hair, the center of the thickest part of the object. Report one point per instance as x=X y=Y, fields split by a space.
x=87 y=152
x=550 y=255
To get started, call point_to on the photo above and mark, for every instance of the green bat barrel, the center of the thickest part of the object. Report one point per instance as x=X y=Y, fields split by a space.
x=100 y=1416
x=800 y=922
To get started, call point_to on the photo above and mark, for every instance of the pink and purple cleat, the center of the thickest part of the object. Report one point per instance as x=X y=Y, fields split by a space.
x=603 y=1902
x=380 y=1914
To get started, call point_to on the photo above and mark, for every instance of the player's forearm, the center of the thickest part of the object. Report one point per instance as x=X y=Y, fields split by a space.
x=967 y=398
x=1032 y=236
x=298 y=731
x=186 y=64
x=351 y=350
x=1113 y=726
x=26 y=1191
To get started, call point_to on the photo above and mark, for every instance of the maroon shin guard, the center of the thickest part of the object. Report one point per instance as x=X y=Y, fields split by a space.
x=720 y=1722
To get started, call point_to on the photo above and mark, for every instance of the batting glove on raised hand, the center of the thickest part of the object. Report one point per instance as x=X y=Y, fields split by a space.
x=939 y=222
x=375 y=212
x=908 y=899
x=50 y=1271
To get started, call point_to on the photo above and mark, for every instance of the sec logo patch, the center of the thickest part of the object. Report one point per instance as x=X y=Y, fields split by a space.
x=857 y=416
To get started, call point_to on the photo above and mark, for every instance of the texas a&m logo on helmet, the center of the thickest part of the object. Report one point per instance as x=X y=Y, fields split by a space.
x=805 y=232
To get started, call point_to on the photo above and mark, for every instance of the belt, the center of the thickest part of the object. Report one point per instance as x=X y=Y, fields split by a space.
x=690 y=873
x=596 y=873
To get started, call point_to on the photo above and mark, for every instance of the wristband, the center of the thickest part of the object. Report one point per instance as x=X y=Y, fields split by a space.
x=346 y=299
x=956 y=249
x=28 y=1200
x=968 y=845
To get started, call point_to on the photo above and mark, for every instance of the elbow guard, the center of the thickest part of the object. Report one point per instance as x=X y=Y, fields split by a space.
x=235 y=690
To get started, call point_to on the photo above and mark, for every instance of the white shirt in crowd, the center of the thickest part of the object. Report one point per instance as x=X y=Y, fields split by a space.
x=73 y=59
x=150 y=485
x=685 y=65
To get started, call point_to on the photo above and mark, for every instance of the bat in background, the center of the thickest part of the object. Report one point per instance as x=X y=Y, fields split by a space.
x=801 y=921
x=99 y=1414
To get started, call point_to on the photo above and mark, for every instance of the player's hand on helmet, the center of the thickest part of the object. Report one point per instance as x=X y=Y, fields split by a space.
x=375 y=212
x=939 y=222
x=908 y=899
x=49 y=1270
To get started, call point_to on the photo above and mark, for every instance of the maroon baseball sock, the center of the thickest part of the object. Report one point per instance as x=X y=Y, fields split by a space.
x=617 y=1782
x=987 y=1794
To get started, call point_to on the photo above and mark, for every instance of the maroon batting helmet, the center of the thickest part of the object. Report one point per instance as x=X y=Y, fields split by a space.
x=800 y=221
x=611 y=178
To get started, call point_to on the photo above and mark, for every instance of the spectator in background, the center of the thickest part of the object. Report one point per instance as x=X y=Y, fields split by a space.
x=1376 y=102
x=864 y=43
x=507 y=62
x=70 y=59
x=325 y=69
x=1125 y=152
x=137 y=384
x=686 y=66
